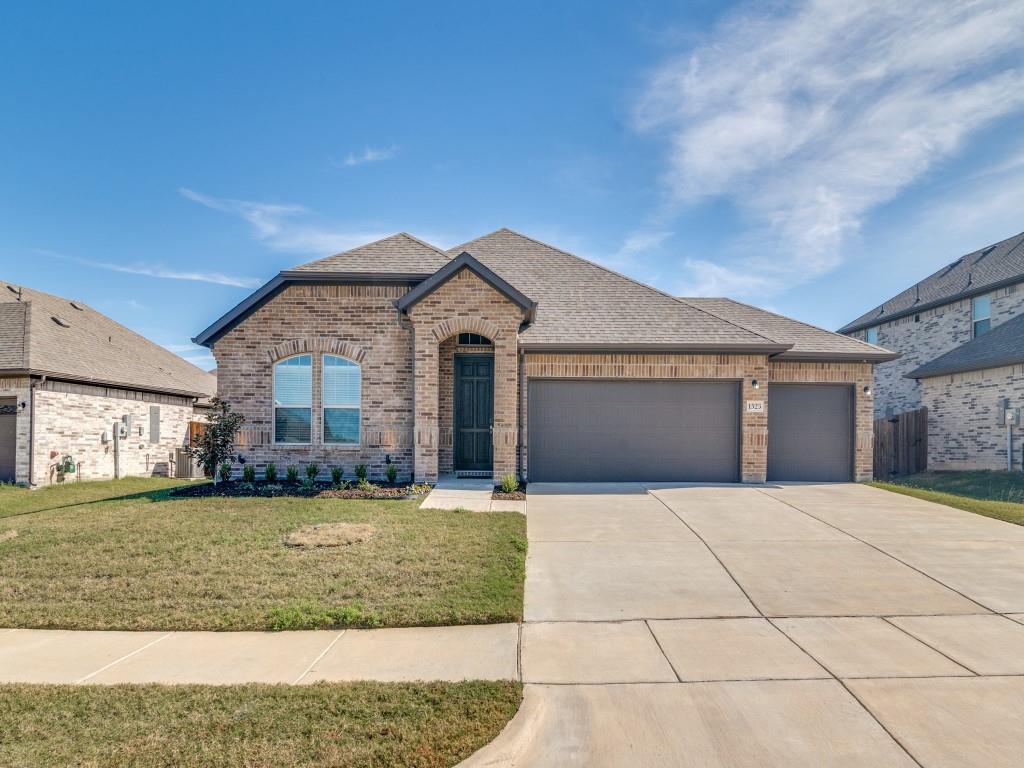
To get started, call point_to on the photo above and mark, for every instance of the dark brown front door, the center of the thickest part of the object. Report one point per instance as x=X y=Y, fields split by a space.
x=474 y=412
x=8 y=438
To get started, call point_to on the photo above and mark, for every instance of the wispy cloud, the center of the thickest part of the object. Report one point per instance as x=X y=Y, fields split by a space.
x=164 y=273
x=809 y=117
x=274 y=224
x=368 y=155
x=198 y=356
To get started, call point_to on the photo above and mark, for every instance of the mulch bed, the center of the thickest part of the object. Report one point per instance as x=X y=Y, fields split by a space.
x=241 y=489
x=499 y=494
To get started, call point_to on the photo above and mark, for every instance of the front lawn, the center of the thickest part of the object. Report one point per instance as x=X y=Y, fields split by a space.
x=984 y=492
x=151 y=562
x=15 y=500
x=351 y=724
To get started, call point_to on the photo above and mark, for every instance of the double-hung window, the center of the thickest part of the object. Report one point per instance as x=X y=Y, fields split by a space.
x=981 y=315
x=293 y=400
x=342 y=392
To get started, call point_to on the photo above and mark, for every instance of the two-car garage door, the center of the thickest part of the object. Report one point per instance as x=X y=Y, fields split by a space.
x=597 y=430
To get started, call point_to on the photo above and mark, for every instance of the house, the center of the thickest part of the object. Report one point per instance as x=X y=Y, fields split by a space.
x=948 y=361
x=505 y=355
x=84 y=398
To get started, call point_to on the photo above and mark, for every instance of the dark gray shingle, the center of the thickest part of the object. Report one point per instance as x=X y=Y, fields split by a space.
x=1003 y=345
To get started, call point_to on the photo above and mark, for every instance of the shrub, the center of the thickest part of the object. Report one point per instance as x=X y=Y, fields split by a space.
x=249 y=473
x=307 y=484
x=218 y=441
x=247 y=488
x=509 y=483
x=361 y=471
x=273 y=488
x=312 y=470
x=292 y=473
x=366 y=485
x=270 y=473
x=336 y=475
x=225 y=470
x=392 y=473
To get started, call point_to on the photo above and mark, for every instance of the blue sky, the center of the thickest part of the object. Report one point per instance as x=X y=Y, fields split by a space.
x=813 y=158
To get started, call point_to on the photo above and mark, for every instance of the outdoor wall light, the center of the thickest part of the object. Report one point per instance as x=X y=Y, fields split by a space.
x=755 y=384
x=867 y=391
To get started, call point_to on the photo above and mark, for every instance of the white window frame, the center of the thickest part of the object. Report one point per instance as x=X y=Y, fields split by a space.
x=975 y=319
x=273 y=399
x=324 y=407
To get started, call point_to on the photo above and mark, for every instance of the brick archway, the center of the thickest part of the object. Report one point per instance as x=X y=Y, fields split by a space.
x=323 y=344
x=456 y=325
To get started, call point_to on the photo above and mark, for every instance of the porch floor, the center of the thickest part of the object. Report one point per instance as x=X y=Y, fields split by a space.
x=471 y=493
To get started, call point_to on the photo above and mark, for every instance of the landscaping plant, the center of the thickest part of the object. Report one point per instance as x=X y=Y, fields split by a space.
x=312 y=470
x=270 y=473
x=292 y=473
x=225 y=471
x=509 y=483
x=217 y=444
x=392 y=473
x=336 y=475
x=249 y=473
x=361 y=472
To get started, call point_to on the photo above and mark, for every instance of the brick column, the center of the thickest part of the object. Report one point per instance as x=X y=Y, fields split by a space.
x=506 y=404
x=425 y=430
x=754 y=425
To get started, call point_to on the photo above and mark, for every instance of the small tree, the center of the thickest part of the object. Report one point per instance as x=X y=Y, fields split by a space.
x=218 y=442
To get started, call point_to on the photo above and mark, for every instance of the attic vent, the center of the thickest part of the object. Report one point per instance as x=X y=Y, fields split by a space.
x=985 y=253
x=60 y=321
x=951 y=267
x=77 y=306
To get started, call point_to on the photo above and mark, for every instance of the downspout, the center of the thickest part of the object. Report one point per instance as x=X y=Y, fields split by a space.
x=32 y=429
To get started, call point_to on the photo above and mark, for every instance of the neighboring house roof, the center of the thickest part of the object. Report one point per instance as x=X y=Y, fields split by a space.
x=808 y=342
x=1003 y=345
x=45 y=334
x=978 y=272
x=465 y=261
x=399 y=254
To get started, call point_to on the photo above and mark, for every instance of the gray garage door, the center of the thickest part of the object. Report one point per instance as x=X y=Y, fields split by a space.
x=628 y=430
x=810 y=432
x=8 y=409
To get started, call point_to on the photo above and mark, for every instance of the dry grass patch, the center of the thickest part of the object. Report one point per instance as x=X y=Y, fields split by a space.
x=329 y=535
x=8 y=536
x=150 y=562
x=356 y=725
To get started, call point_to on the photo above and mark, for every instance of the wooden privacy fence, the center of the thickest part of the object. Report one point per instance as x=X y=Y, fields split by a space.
x=901 y=444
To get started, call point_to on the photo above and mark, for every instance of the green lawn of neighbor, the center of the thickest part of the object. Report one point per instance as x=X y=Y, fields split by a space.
x=142 y=560
x=354 y=725
x=984 y=492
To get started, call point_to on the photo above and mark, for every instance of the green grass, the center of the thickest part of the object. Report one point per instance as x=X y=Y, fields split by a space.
x=15 y=500
x=350 y=724
x=993 y=494
x=146 y=561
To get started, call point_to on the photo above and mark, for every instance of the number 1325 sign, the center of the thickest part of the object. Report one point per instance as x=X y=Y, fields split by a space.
x=755 y=406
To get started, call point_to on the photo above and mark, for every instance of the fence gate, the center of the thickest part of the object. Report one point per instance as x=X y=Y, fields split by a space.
x=901 y=444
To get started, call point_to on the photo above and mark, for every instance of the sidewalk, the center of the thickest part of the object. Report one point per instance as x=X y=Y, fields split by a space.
x=472 y=494
x=484 y=652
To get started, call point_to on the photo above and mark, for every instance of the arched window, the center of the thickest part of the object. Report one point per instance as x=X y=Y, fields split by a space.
x=293 y=400
x=342 y=391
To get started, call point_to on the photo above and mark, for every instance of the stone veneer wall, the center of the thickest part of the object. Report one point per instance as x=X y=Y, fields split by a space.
x=464 y=303
x=934 y=332
x=754 y=426
x=357 y=321
x=963 y=412
x=18 y=388
x=70 y=419
x=857 y=374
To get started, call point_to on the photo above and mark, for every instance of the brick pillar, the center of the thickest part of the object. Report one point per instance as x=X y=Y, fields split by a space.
x=425 y=430
x=754 y=425
x=506 y=404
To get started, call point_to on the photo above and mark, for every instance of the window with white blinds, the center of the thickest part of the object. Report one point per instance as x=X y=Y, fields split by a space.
x=293 y=400
x=342 y=391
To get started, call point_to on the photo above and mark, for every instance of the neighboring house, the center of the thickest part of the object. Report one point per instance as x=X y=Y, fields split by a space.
x=941 y=327
x=508 y=356
x=70 y=378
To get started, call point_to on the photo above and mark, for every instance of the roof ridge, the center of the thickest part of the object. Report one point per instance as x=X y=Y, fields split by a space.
x=792 y=320
x=415 y=239
x=610 y=271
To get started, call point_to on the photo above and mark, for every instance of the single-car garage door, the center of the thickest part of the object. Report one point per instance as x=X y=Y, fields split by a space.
x=631 y=430
x=810 y=432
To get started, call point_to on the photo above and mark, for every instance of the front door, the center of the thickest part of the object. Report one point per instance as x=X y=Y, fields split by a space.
x=474 y=412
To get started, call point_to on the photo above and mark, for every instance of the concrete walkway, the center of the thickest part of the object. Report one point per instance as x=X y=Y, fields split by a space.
x=472 y=494
x=778 y=626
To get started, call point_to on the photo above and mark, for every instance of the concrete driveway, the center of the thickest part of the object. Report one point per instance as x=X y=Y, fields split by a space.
x=798 y=625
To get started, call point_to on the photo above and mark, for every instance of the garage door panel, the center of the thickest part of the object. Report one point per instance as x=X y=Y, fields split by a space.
x=629 y=430
x=810 y=432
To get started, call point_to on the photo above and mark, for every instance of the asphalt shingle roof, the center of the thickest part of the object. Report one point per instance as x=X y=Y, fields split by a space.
x=975 y=273
x=808 y=341
x=398 y=254
x=1003 y=345
x=84 y=345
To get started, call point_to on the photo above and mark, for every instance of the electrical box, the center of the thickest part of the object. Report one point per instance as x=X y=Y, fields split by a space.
x=1011 y=417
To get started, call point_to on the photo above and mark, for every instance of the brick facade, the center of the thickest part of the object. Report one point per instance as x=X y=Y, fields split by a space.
x=17 y=389
x=925 y=336
x=964 y=431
